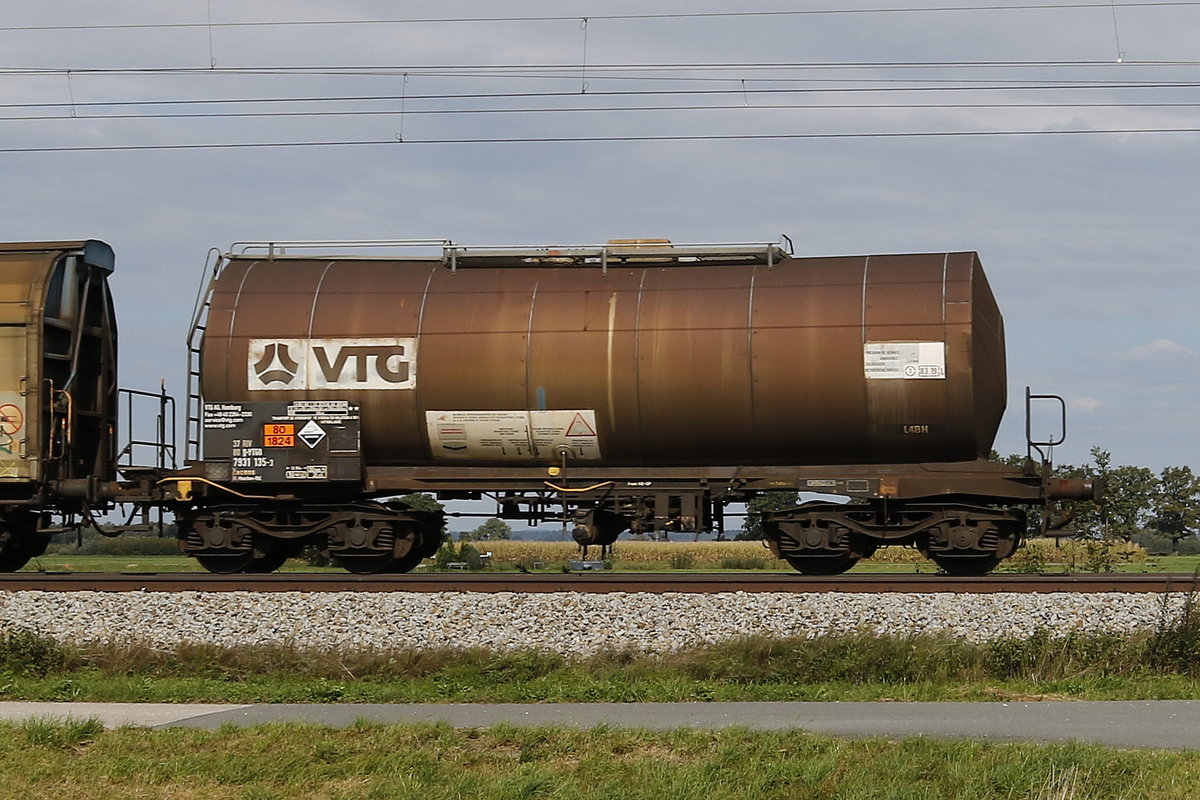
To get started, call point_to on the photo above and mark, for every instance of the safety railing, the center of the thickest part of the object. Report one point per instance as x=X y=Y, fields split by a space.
x=149 y=435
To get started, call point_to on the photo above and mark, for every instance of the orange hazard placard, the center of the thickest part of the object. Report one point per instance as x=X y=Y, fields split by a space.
x=278 y=434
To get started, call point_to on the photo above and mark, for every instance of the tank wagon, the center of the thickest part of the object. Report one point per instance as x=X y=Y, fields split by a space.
x=638 y=385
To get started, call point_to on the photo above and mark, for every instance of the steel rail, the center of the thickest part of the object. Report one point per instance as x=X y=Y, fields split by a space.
x=706 y=583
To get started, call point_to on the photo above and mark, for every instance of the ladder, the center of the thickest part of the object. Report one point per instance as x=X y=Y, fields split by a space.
x=195 y=425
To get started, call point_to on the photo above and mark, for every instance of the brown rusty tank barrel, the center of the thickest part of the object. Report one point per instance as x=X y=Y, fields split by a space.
x=865 y=359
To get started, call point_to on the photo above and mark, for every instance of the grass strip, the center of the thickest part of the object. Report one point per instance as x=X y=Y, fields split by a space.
x=1162 y=664
x=81 y=761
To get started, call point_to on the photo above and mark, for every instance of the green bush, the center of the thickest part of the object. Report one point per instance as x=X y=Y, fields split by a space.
x=1099 y=556
x=465 y=553
x=23 y=652
x=743 y=562
x=125 y=545
x=1175 y=645
x=683 y=561
x=470 y=555
x=853 y=658
x=446 y=554
x=523 y=665
x=315 y=556
x=1158 y=545
x=1027 y=559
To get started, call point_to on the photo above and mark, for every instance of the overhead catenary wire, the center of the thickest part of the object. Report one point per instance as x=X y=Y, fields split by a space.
x=571 y=71
x=987 y=7
x=740 y=108
x=671 y=83
x=954 y=86
x=625 y=138
x=765 y=84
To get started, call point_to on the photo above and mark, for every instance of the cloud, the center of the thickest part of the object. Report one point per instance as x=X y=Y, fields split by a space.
x=1084 y=405
x=1161 y=349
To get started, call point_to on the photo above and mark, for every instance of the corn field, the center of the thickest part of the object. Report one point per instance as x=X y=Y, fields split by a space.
x=517 y=552
x=687 y=555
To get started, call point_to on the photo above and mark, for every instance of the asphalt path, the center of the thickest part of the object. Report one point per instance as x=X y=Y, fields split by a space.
x=1156 y=724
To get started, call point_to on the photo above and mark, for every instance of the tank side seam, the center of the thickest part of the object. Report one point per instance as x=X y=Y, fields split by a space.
x=637 y=362
x=750 y=353
x=866 y=272
x=418 y=405
x=237 y=302
x=530 y=401
x=312 y=310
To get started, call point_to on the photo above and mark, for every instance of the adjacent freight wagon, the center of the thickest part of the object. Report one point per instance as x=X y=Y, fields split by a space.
x=637 y=385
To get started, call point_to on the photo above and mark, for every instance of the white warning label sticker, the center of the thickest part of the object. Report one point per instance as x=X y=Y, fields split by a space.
x=906 y=360
x=512 y=435
x=311 y=434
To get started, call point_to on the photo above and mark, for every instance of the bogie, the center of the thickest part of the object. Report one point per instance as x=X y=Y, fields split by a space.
x=829 y=538
x=364 y=538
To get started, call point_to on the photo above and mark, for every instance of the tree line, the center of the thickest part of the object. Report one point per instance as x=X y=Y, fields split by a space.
x=1158 y=510
x=1137 y=504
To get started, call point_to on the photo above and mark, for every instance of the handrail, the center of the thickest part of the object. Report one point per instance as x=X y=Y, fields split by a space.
x=163 y=445
x=279 y=248
x=1052 y=441
x=603 y=255
x=453 y=254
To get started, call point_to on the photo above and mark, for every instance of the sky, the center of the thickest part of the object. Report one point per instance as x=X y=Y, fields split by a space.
x=1083 y=212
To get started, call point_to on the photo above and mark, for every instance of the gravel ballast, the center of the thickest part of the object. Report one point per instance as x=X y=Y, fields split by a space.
x=567 y=623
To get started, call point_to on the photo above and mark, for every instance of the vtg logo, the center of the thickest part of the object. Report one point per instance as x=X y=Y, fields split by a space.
x=290 y=364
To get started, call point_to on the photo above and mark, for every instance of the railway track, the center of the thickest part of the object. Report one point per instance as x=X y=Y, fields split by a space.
x=588 y=582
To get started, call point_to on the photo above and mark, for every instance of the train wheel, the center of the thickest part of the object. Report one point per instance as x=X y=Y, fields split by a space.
x=271 y=559
x=975 y=548
x=822 y=564
x=266 y=555
x=398 y=548
x=216 y=545
x=431 y=542
x=226 y=563
x=966 y=565
x=409 y=562
x=13 y=556
x=269 y=564
x=21 y=541
x=372 y=564
x=372 y=551
x=381 y=563
x=271 y=554
x=821 y=549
